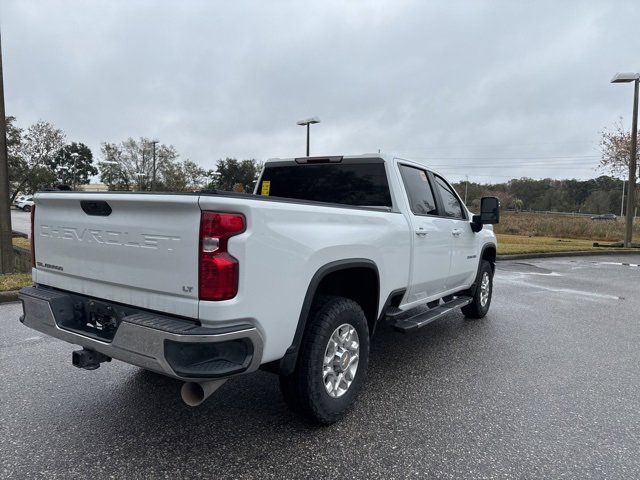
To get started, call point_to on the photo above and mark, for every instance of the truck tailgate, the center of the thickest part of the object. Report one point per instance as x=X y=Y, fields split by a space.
x=137 y=249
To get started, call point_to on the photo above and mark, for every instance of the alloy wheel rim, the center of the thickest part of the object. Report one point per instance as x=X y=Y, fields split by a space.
x=341 y=358
x=485 y=288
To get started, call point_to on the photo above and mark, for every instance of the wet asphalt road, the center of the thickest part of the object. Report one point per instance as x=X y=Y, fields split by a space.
x=547 y=386
x=20 y=221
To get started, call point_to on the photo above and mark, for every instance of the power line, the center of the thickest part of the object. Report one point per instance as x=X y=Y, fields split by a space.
x=473 y=167
x=502 y=145
x=508 y=157
x=510 y=177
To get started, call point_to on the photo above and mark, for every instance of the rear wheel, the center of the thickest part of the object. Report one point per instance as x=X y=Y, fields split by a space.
x=479 y=307
x=26 y=208
x=332 y=362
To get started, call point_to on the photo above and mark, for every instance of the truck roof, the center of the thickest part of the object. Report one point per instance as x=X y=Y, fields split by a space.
x=383 y=156
x=342 y=157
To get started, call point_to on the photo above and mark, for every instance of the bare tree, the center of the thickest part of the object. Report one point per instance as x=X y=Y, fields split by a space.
x=129 y=165
x=615 y=146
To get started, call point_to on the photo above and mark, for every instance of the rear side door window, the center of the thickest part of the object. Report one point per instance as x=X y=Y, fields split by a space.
x=451 y=205
x=421 y=198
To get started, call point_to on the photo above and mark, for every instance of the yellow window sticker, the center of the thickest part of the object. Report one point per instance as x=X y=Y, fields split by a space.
x=266 y=186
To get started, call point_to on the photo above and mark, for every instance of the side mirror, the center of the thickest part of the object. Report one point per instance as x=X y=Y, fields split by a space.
x=489 y=210
x=489 y=213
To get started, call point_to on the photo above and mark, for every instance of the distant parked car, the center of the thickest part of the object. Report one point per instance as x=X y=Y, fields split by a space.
x=18 y=199
x=604 y=216
x=25 y=204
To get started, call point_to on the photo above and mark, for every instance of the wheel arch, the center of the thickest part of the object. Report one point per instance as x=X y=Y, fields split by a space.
x=489 y=252
x=337 y=278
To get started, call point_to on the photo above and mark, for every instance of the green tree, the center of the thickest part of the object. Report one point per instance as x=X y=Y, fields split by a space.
x=14 y=143
x=113 y=173
x=599 y=201
x=73 y=165
x=182 y=176
x=528 y=190
x=36 y=147
x=517 y=204
x=231 y=171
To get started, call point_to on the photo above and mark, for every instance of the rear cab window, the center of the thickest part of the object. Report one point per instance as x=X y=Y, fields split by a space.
x=361 y=183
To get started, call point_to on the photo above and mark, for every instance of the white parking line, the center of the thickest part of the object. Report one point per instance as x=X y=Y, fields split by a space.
x=620 y=263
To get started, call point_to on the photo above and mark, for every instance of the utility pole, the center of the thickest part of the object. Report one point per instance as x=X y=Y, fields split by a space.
x=153 y=177
x=6 y=242
x=466 y=186
x=631 y=185
x=143 y=168
x=622 y=201
x=631 y=197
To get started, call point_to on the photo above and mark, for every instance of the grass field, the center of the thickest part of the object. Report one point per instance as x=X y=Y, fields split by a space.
x=22 y=242
x=14 y=281
x=513 y=244
x=562 y=226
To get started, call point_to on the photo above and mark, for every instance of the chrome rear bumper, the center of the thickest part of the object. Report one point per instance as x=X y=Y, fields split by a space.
x=168 y=345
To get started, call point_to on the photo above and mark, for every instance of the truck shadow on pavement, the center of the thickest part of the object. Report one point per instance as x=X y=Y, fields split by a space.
x=141 y=417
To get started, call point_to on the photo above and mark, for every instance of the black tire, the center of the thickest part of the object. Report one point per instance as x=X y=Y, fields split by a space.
x=304 y=390
x=476 y=309
x=26 y=208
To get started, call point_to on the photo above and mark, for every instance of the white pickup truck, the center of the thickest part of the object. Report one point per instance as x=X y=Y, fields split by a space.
x=293 y=278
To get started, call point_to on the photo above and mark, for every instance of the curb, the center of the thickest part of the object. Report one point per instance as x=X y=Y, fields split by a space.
x=524 y=256
x=10 y=296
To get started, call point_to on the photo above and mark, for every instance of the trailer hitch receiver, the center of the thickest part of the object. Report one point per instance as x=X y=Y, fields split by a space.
x=88 y=359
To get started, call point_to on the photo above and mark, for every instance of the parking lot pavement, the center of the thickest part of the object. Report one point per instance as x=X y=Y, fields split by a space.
x=545 y=387
x=21 y=221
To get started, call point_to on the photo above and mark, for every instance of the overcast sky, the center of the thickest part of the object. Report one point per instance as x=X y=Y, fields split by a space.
x=492 y=89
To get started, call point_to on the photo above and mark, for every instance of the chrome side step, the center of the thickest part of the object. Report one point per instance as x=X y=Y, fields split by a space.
x=422 y=318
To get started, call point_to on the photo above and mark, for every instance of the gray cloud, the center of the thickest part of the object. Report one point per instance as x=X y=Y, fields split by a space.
x=474 y=87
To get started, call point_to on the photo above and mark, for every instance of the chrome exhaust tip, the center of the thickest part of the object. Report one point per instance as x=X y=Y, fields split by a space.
x=194 y=393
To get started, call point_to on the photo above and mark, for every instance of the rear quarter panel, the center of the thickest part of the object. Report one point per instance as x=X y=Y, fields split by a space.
x=285 y=244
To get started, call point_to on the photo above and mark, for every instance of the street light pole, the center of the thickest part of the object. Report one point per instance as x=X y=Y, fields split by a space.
x=631 y=185
x=308 y=132
x=75 y=156
x=6 y=245
x=308 y=122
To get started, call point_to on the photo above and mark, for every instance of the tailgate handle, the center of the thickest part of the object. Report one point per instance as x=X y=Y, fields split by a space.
x=97 y=208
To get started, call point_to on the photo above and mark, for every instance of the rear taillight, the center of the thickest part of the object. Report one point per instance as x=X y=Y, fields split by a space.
x=218 y=269
x=33 y=238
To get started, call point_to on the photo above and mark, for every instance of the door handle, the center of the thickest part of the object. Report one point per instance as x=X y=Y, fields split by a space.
x=421 y=232
x=456 y=232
